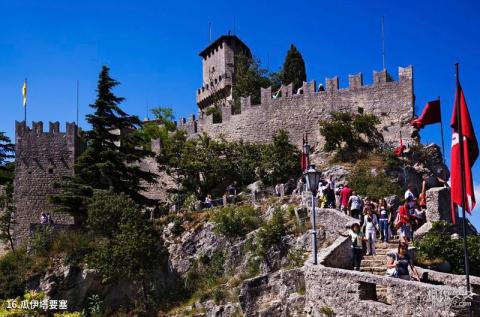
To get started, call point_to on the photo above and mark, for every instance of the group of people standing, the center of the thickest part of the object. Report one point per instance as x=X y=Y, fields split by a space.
x=46 y=219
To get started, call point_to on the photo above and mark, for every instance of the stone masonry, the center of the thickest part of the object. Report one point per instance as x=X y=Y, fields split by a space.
x=300 y=111
x=41 y=158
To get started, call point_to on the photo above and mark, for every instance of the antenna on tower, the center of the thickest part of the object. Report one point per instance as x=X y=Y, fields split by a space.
x=209 y=32
x=383 y=43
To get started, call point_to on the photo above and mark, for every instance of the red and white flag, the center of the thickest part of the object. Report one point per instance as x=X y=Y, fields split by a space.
x=470 y=154
x=430 y=114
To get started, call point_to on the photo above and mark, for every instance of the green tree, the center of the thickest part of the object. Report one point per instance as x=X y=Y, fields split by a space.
x=6 y=189
x=7 y=151
x=109 y=162
x=351 y=134
x=249 y=78
x=127 y=246
x=294 y=68
x=158 y=128
x=279 y=161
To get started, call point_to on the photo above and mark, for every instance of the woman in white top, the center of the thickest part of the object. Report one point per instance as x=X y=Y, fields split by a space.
x=371 y=227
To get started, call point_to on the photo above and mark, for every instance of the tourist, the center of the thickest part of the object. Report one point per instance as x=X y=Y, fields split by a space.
x=403 y=220
x=355 y=205
x=43 y=219
x=398 y=263
x=384 y=220
x=49 y=219
x=357 y=237
x=409 y=193
x=299 y=189
x=371 y=227
x=208 y=201
x=345 y=194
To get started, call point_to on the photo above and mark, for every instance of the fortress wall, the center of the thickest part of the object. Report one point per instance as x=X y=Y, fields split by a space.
x=392 y=101
x=41 y=158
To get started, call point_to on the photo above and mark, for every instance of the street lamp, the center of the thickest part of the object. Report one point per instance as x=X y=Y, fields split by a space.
x=312 y=179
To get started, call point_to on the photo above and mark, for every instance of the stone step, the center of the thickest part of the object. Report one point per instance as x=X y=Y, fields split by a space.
x=370 y=262
x=372 y=269
x=378 y=257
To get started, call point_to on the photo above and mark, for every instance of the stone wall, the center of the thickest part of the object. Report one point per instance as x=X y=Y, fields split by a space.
x=41 y=158
x=334 y=288
x=392 y=101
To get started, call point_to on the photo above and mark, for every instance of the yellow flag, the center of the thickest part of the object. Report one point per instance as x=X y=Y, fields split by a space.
x=24 y=93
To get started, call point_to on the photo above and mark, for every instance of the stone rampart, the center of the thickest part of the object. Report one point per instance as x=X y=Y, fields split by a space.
x=41 y=158
x=299 y=112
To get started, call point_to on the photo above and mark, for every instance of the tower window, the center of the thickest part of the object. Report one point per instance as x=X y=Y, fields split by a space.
x=50 y=170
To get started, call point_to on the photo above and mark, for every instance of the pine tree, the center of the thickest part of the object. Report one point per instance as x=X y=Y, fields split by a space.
x=6 y=181
x=110 y=160
x=294 y=68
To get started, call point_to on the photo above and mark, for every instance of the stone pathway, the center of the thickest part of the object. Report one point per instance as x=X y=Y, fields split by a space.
x=377 y=264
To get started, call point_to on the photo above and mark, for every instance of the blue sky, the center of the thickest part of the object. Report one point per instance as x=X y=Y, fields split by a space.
x=152 y=48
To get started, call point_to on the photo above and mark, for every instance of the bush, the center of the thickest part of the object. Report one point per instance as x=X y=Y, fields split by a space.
x=14 y=267
x=271 y=233
x=74 y=244
x=438 y=245
x=235 y=221
x=206 y=272
x=351 y=135
x=376 y=186
x=42 y=240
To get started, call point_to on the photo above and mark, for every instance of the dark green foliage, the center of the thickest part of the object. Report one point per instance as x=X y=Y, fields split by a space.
x=272 y=232
x=14 y=267
x=235 y=222
x=41 y=241
x=250 y=77
x=294 y=68
x=158 y=128
x=206 y=272
x=365 y=183
x=109 y=160
x=351 y=135
x=7 y=149
x=206 y=166
x=438 y=245
x=127 y=247
x=280 y=160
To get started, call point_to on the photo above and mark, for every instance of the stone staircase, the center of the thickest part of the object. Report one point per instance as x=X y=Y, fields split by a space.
x=377 y=264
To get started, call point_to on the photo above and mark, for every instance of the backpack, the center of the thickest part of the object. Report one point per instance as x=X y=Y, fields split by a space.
x=397 y=221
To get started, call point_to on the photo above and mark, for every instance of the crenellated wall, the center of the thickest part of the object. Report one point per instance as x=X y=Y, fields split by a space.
x=41 y=158
x=391 y=100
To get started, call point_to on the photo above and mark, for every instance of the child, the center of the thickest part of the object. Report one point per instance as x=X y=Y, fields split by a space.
x=357 y=238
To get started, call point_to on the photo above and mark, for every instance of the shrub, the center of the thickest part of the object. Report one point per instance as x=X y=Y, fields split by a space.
x=271 y=233
x=364 y=182
x=14 y=267
x=206 y=273
x=437 y=244
x=74 y=244
x=351 y=135
x=235 y=221
x=42 y=240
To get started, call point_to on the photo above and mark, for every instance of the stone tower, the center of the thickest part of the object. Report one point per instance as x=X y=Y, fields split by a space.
x=218 y=65
x=41 y=158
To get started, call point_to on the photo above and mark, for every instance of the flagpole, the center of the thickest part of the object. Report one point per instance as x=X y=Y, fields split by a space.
x=462 y=175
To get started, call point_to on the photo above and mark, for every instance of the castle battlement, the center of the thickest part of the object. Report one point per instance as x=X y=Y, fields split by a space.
x=41 y=158
x=21 y=128
x=391 y=100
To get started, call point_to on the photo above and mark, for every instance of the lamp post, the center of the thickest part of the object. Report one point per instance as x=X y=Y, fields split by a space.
x=312 y=179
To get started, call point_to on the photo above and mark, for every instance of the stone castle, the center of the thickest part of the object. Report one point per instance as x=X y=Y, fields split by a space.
x=295 y=111
x=44 y=157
